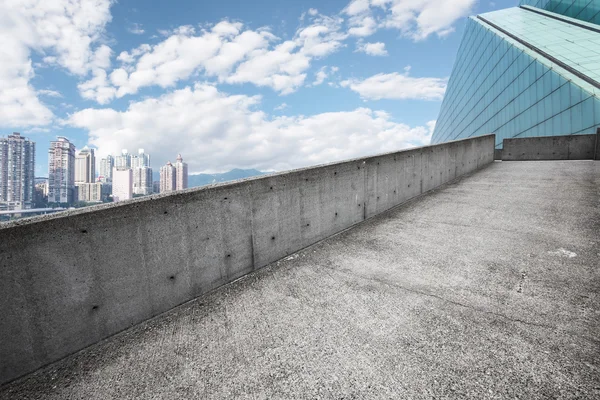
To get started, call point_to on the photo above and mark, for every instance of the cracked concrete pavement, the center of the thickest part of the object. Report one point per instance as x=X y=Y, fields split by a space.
x=486 y=288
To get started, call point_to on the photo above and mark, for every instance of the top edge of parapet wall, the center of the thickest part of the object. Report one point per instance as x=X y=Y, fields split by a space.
x=153 y=197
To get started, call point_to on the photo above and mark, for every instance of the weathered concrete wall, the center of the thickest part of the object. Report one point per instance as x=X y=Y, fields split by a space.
x=597 y=152
x=73 y=279
x=571 y=147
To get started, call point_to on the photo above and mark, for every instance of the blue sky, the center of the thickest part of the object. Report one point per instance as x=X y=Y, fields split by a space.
x=270 y=85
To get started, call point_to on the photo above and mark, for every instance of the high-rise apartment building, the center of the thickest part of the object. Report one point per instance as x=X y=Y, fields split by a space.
x=122 y=185
x=174 y=176
x=167 y=178
x=142 y=180
x=124 y=160
x=142 y=173
x=61 y=171
x=140 y=160
x=181 y=174
x=17 y=172
x=40 y=195
x=90 y=192
x=527 y=71
x=85 y=166
x=106 y=168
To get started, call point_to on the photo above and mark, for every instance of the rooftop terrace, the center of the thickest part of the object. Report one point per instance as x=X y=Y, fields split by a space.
x=487 y=287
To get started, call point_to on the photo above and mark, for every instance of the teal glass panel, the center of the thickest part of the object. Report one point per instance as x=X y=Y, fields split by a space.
x=584 y=10
x=500 y=86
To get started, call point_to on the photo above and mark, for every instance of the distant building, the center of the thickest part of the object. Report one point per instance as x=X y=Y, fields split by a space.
x=17 y=168
x=90 y=192
x=61 y=171
x=142 y=180
x=85 y=166
x=124 y=160
x=174 y=176
x=167 y=178
x=106 y=168
x=140 y=160
x=122 y=185
x=181 y=174
x=40 y=195
x=156 y=186
x=142 y=173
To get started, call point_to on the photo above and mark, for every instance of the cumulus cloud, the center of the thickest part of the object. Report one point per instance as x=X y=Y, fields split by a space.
x=227 y=52
x=372 y=49
x=417 y=19
x=320 y=76
x=323 y=73
x=398 y=87
x=215 y=131
x=63 y=31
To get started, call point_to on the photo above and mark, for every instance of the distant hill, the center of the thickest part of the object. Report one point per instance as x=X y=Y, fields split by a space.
x=207 y=179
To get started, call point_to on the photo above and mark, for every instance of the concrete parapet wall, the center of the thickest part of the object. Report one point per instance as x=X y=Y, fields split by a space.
x=70 y=280
x=570 y=147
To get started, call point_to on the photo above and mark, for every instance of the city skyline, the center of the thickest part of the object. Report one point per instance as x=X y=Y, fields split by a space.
x=76 y=176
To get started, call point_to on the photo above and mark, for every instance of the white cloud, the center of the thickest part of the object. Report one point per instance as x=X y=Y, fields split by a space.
x=36 y=130
x=281 y=107
x=136 y=29
x=362 y=25
x=320 y=76
x=216 y=132
x=322 y=37
x=417 y=19
x=398 y=87
x=282 y=69
x=323 y=73
x=50 y=93
x=372 y=49
x=63 y=32
x=226 y=52
x=313 y=11
x=356 y=7
x=97 y=87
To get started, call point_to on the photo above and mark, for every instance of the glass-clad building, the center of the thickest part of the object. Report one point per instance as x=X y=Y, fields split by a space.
x=532 y=70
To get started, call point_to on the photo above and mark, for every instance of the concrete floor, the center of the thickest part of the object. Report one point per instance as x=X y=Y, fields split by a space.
x=487 y=288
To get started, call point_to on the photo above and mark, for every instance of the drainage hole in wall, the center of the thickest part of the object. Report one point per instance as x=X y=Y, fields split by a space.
x=172 y=277
x=273 y=238
x=95 y=308
x=84 y=231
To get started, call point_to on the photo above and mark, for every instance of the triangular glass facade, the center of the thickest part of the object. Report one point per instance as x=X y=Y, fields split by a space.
x=523 y=72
